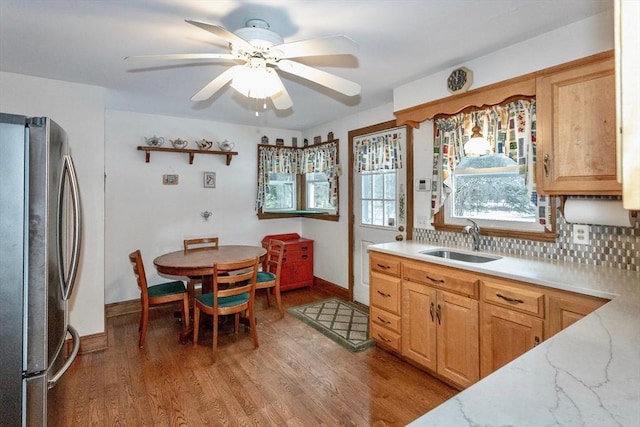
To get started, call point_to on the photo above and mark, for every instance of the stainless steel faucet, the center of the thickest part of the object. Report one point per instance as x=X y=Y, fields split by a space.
x=474 y=231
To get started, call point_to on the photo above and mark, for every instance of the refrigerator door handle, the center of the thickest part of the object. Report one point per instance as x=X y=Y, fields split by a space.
x=68 y=282
x=74 y=352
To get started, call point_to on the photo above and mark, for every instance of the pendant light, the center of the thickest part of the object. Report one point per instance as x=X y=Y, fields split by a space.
x=477 y=144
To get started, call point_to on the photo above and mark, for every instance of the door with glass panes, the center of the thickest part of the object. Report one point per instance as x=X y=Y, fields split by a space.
x=379 y=212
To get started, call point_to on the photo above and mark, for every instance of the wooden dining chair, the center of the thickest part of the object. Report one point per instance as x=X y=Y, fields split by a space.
x=232 y=294
x=156 y=295
x=269 y=277
x=194 y=244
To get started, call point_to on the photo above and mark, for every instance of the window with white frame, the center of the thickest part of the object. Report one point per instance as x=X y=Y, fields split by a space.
x=281 y=193
x=379 y=198
x=318 y=192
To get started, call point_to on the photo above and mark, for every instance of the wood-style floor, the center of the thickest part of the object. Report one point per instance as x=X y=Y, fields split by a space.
x=297 y=377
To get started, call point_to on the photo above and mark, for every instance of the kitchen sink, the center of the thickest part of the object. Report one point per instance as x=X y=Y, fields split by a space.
x=460 y=256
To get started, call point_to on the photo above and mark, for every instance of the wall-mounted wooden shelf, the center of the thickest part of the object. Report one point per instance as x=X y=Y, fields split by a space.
x=191 y=153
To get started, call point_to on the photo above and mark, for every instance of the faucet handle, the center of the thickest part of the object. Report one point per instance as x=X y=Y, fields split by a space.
x=475 y=224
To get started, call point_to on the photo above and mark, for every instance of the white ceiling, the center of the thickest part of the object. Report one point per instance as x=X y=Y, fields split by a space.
x=85 y=41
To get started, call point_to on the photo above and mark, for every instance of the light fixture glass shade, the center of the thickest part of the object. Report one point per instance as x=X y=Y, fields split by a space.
x=477 y=144
x=258 y=83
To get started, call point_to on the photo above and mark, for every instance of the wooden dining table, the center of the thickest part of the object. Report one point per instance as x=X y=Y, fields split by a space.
x=199 y=263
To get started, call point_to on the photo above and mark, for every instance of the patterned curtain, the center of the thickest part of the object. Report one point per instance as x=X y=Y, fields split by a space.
x=322 y=158
x=379 y=151
x=510 y=129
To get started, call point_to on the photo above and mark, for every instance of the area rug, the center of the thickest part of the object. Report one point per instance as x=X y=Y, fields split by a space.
x=339 y=320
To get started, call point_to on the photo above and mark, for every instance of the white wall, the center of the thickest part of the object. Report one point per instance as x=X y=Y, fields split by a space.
x=142 y=213
x=79 y=109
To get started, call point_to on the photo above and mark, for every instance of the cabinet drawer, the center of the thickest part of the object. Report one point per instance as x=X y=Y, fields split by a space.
x=385 y=319
x=385 y=264
x=445 y=278
x=385 y=337
x=514 y=297
x=385 y=292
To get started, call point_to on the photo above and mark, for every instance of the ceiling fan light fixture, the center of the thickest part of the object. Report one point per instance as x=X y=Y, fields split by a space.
x=258 y=83
x=477 y=144
x=257 y=32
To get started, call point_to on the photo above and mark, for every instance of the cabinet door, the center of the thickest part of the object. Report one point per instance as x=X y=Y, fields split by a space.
x=505 y=335
x=457 y=337
x=576 y=130
x=565 y=310
x=385 y=292
x=419 y=324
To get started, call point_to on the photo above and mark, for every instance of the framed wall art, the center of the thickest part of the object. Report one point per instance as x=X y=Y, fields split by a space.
x=209 y=180
x=170 y=179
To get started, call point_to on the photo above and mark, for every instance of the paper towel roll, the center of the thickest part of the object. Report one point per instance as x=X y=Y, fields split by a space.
x=597 y=212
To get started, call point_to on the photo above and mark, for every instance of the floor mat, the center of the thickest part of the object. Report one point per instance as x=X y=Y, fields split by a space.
x=339 y=320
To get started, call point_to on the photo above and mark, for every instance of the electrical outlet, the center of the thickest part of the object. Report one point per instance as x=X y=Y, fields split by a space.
x=423 y=221
x=581 y=234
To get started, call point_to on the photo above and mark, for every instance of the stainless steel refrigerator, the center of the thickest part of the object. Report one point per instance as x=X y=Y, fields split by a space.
x=40 y=236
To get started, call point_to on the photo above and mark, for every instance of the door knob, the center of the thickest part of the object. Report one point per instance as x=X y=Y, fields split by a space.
x=399 y=237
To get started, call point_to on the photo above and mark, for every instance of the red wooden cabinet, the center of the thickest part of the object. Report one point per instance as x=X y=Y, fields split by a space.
x=297 y=264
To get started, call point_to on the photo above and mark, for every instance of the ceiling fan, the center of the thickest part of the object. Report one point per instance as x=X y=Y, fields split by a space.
x=259 y=52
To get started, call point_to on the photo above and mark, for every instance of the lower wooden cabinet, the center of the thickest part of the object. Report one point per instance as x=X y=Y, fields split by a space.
x=567 y=308
x=459 y=324
x=440 y=332
x=506 y=334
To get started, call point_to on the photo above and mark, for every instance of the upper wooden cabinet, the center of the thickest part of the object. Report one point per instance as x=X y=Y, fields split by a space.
x=576 y=129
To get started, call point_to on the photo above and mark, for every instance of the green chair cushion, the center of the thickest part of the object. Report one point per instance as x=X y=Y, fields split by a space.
x=265 y=276
x=207 y=299
x=168 y=288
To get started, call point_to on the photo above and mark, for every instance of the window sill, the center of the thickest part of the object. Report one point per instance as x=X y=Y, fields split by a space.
x=510 y=234
x=299 y=214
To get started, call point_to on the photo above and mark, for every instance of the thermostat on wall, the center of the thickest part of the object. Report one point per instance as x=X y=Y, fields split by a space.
x=423 y=184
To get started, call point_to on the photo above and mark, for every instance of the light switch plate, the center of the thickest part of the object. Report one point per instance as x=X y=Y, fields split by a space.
x=581 y=234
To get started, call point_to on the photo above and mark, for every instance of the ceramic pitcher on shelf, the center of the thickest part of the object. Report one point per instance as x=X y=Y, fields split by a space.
x=154 y=141
x=226 y=145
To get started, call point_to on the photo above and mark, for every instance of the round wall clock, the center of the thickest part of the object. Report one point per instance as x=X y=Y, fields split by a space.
x=460 y=80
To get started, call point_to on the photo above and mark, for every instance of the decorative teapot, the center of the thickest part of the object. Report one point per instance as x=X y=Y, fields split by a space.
x=178 y=143
x=226 y=145
x=203 y=144
x=154 y=141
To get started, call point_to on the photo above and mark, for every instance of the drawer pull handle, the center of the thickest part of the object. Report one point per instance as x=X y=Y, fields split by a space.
x=386 y=267
x=435 y=280
x=511 y=300
x=546 y=165
x=385 y=339
x=431 y=311
x=536 y=341
x=305 y=256
x=384 y=295
x=304 y=248
x=439 y=314
x=385 y=321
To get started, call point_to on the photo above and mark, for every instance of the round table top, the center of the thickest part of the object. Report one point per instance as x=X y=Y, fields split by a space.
x=199 y=262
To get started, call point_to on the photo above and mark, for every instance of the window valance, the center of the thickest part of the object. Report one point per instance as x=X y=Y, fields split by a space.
x=379 y=151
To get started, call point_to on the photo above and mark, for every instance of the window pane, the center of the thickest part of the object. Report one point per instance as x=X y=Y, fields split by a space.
x=366 y=186
x=318 y=195
x=378 y=213
x=281 y=194
x=390 y=213
x=366 y=212
x=498 y=196
x=378 y=189
x=390 y=186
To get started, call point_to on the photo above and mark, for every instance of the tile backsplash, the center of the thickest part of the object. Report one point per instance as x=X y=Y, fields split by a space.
x=616 y=247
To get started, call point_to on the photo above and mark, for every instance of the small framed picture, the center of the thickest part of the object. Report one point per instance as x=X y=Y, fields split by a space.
x=209 y=180
x=170 y=179
x=317 y=139
x=294 y=141
x=280 y=142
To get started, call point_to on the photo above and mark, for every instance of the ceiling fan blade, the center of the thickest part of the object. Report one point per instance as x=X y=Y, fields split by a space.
x=281 y=100
x=332 y=45
x=216 y=84
x=226 y=56
x=222 y=32
x=323 y=78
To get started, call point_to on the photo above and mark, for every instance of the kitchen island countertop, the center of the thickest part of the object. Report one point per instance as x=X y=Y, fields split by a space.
x=586 y=375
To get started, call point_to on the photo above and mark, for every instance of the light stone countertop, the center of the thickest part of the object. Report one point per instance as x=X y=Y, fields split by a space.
x=586 y=375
